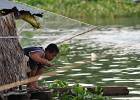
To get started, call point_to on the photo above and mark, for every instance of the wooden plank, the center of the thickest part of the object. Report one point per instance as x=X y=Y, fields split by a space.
x=113 y=90
x=46 y=94
x=107 y=90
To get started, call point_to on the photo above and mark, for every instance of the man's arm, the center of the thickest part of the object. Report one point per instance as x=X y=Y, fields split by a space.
x=38 y=57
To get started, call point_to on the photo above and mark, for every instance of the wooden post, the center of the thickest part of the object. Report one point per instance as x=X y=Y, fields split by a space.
x=12 y=62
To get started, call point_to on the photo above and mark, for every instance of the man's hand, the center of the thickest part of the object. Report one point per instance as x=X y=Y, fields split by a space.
x=49 y=64
x=38 y=58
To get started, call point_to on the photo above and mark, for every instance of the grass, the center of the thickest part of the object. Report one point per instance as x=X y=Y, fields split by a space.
x=84 y=10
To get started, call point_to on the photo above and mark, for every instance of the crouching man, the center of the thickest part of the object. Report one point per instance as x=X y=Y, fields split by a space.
x=38 y=59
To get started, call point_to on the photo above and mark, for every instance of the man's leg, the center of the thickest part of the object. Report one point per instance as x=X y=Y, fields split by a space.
x=38 y=73
x=32 y=85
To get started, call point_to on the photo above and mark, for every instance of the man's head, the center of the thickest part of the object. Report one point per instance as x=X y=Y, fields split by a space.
x=51 y=51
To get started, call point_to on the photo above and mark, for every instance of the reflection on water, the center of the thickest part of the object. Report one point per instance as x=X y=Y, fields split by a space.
x=116 y=62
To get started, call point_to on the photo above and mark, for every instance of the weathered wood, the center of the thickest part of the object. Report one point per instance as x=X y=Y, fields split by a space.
x=113 y=90
x=12 y=62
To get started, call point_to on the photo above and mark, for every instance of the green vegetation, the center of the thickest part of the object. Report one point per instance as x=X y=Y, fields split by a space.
x=77 y=92
x=64 y=49
x=89 y=11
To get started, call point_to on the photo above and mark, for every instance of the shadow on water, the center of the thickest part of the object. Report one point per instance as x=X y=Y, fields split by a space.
x=117 y=50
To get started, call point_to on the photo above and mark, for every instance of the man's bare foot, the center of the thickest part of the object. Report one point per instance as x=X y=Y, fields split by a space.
x=34 y=86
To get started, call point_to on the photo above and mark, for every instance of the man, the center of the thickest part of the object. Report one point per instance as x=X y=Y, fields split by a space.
x=38 y=59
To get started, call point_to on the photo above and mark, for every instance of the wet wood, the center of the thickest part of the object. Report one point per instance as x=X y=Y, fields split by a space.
x=41 y=95
x=26 y=95
x=113 y=90
x=46 y=94
x=18 y=96
x=107 y=90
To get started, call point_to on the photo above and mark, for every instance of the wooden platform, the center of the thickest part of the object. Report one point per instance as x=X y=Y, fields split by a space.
x=107 y=90
x=46 y=94
x=114 y=90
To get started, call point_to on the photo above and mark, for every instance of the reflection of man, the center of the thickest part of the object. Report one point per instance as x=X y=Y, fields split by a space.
x=38 y=58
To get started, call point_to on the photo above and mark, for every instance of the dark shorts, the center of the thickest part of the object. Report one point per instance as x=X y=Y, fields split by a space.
x=34 y=65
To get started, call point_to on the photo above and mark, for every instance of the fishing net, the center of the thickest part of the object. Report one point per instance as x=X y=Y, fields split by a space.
x=54 y=29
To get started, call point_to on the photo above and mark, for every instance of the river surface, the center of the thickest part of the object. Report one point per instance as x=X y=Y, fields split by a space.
x=107 y=56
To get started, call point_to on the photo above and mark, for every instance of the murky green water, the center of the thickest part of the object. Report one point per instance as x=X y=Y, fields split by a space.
x=109 y=56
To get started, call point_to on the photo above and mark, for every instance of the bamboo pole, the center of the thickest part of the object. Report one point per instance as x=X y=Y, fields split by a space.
x=32 y=79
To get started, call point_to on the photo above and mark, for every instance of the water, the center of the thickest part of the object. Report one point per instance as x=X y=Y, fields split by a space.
x=108 y=56
x=117 y=61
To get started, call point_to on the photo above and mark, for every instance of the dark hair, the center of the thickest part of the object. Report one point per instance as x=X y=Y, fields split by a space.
x=52 y=48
